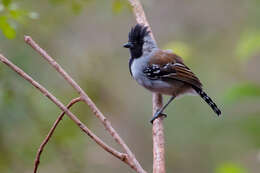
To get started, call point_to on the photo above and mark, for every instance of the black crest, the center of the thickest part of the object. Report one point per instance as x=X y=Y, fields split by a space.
x=137 y=33
x=136 y=40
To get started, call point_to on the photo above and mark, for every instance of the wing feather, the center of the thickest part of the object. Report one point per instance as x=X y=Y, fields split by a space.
x=170 y=66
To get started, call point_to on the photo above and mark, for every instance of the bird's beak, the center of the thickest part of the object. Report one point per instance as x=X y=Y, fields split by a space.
x=128 y=45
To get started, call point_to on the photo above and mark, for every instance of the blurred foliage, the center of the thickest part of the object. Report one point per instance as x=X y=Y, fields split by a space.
x=75 y=5
x=180 y=48
x=10 y=15
x=120 y=5
x=248 y=45
x=230 y=168
x=241 y=92
x=251 y=126
x=6 y=28
x=85 y=37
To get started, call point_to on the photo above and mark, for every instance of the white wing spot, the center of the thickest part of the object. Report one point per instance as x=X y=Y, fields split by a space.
x=157 y=71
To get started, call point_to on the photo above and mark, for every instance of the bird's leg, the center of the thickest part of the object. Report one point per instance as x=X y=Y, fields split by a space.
x=159 y=112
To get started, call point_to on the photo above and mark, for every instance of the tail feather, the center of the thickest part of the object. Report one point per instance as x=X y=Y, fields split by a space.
x=208 y=100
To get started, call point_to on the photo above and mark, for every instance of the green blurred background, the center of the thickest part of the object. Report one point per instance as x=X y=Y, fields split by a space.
x=219 y=40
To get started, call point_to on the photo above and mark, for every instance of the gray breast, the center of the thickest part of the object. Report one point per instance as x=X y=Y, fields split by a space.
x=138 y=66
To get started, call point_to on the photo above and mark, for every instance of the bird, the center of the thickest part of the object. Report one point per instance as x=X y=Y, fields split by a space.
x=161 y=71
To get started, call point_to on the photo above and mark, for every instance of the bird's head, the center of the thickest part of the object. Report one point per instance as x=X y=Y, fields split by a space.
x=136 y=40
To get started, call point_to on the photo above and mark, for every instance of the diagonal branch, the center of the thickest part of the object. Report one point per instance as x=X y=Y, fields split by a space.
x=158 y=134
x=121 y=156
x=130 y=156
x=49 y=135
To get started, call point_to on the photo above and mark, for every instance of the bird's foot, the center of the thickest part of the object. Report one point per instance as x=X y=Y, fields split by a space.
x=157 y=115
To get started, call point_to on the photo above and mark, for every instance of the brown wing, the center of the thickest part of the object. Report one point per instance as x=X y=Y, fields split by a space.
x=161 y=57
x=166 y=65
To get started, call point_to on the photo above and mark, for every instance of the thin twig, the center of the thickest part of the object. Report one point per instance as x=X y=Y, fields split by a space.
x=49 y=135
x=45 y=92
x=158 y=134
x=130 y=156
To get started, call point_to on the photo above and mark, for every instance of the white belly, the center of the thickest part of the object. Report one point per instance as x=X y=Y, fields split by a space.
x=168 y=88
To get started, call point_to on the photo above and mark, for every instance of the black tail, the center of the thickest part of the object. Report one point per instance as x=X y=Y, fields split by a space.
x=208 y=100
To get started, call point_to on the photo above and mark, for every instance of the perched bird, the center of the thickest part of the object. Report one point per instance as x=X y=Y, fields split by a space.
x=161 y=71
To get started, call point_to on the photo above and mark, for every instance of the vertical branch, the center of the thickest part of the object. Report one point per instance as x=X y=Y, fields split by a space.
x=158 y=138
x=158 y=134
x=139 y=14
